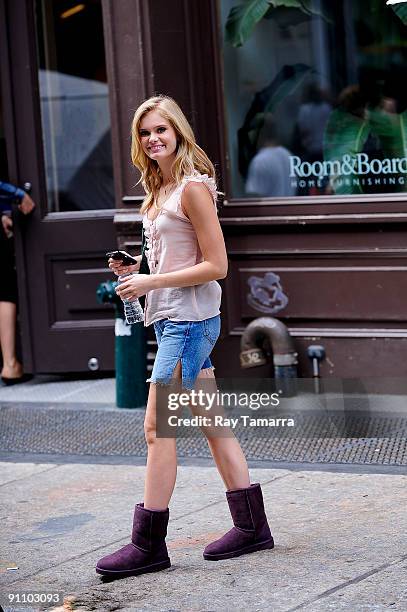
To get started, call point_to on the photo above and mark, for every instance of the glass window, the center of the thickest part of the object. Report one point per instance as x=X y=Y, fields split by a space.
x=74 y=105
x=315 y=96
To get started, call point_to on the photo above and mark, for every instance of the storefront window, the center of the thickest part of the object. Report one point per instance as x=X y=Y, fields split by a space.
x=315 y=97
x=74 y=105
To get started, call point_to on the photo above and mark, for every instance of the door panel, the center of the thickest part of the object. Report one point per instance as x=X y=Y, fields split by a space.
x=61 y=247
x=77 y=327
x=74 y=103
x=65 y=265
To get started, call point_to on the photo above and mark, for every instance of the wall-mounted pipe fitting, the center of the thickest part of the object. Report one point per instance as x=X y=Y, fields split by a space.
x=253 y=351
x=316 y=353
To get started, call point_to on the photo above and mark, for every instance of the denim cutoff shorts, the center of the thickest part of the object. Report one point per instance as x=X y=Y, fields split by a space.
x=190 y=342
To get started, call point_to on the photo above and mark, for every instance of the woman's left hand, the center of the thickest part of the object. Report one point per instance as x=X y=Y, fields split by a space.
x=134 y=286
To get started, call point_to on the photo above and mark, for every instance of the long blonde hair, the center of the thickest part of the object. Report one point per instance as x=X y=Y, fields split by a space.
x=189 y=156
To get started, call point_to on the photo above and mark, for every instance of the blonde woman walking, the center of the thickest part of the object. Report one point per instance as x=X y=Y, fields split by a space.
x=186 y=256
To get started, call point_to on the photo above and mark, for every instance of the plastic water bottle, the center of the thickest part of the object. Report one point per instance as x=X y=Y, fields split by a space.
x=132 y=309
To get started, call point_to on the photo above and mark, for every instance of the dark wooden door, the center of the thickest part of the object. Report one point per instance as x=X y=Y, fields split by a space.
x=58 y=137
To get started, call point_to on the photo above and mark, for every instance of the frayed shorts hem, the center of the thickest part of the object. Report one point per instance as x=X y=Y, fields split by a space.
x=173 y=382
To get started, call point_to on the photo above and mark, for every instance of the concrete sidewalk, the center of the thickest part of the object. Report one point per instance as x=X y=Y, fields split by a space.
x=341 y=539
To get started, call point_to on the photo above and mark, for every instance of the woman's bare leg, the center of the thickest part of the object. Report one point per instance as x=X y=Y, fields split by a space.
x=226 y=451
x=161 y=470
x=8 y=316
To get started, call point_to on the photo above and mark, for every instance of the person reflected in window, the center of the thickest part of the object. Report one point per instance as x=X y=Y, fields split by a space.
x=12 y=370
x=308 y=142
x=312 y=118
x=269 y=170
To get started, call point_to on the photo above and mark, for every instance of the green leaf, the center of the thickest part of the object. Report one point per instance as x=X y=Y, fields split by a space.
x=391 y=129
x=345 y=134
x=242 y=19
x=285 y=83
x=286 y=17
x=266 y=101
x=287 y=3
x=401 y=11
x=287 y=9
x=309 y=7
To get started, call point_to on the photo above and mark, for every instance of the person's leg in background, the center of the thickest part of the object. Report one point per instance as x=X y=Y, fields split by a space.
x=12 y=368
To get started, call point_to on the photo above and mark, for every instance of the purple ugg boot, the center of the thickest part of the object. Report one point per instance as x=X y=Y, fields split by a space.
x=147 y=551
x=250 y=532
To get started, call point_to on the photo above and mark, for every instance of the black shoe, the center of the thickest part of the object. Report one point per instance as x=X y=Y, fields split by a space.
x=9 y=382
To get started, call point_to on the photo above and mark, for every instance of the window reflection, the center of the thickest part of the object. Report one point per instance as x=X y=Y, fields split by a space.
x=315 y=98
x=74 y=105
x=268 y=174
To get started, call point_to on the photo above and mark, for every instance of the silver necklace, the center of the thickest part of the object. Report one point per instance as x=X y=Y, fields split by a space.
x=167 y=186
x=166 y=193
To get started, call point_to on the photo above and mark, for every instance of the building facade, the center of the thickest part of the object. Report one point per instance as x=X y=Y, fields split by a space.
x=302 y=110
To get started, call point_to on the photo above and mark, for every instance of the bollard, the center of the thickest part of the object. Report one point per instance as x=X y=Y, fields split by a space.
x=130 y=352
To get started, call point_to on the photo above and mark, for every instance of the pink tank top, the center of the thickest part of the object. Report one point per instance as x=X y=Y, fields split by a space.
x=173 y=245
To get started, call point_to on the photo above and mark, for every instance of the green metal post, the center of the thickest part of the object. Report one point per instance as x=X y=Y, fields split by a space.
x=131 y=363
x=130 y=353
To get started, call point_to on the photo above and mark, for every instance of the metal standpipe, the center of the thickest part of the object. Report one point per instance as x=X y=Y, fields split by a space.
x=130 y=352
x=267 y=330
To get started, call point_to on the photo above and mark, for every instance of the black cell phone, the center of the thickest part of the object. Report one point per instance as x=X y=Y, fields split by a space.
x=122 y=256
